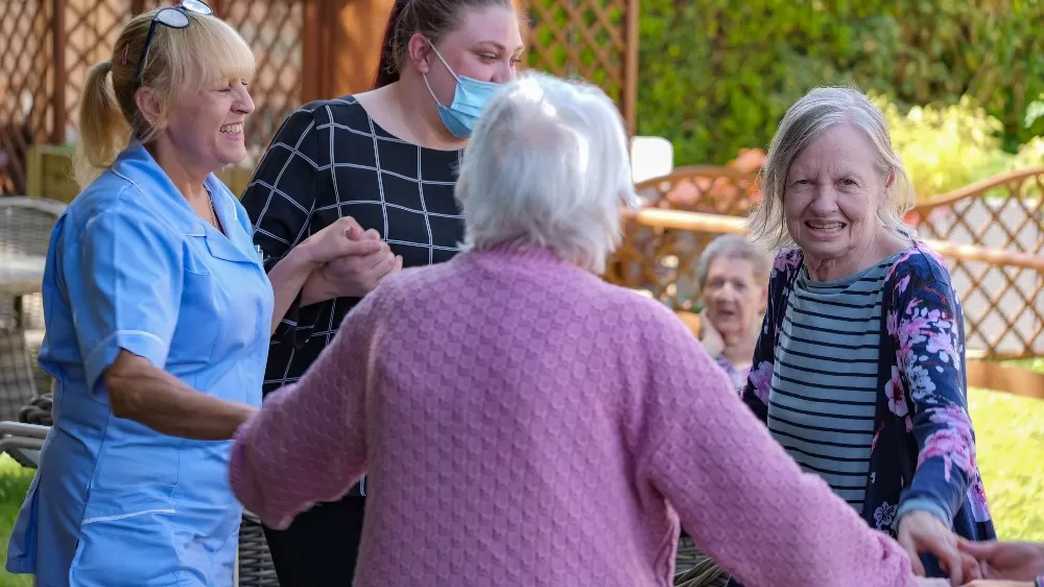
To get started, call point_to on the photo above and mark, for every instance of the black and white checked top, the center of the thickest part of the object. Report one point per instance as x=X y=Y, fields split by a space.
x=330 y=160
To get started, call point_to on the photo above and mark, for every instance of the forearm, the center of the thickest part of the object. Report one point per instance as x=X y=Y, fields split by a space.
x=794 y=530
x=283 y=462
x=316 y=290
x=770 y=523
x=147 y=394
x=308 y=442
x=945 y=464
x=288 y=276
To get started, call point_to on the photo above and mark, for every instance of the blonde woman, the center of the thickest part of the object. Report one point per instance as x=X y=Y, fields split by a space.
x=158 y=313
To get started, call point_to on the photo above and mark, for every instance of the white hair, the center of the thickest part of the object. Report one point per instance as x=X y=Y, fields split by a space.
x=816 y=112
x=734 y=246
x=547 y=165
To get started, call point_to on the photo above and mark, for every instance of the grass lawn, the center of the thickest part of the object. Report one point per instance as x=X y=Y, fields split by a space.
x=1010 y=431
x=14 y=481
x=1010 y=439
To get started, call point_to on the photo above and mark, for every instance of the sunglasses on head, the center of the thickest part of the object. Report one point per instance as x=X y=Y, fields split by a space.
x=175 y=17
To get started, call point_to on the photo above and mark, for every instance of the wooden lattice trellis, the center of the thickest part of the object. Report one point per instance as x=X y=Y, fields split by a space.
x=48 y=46
x=26 y=61
x=999 y=275
x=593 y=39
x=662 y=260
x=305 y=49
x=1003 y=304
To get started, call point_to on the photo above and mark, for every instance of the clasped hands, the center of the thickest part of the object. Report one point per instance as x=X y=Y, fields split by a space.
x=347 y=261
x=973 y=564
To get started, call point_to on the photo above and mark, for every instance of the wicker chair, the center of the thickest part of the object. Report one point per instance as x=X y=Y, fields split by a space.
x=255 y=562
x=25 y=230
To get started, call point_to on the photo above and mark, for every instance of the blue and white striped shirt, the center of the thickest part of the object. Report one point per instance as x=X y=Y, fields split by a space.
x=824 y=381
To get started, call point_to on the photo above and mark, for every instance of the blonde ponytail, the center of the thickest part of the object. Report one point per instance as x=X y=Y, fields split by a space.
x=104 y=131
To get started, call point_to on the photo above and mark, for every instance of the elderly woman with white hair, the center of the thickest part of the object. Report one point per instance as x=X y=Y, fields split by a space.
x=522 y=422
x=732 y=274
x=859 y=369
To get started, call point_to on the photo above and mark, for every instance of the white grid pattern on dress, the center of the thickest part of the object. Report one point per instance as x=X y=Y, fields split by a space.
x=312 y=174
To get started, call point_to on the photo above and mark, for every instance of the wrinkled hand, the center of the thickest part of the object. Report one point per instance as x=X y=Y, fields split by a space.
x=352 y=274
x=919 y=532
x=340 y=238
x=1015 y=561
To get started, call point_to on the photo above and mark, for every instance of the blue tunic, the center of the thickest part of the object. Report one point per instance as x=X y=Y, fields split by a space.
x=131 y=266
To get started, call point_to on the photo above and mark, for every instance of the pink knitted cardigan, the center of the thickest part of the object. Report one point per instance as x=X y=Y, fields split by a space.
x=521 y=422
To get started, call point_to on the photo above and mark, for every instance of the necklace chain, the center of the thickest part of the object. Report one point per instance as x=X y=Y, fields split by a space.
x=213 y=214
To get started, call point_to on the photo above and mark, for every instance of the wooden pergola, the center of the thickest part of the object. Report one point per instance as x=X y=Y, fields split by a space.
x=306 y=49
x=594 y=39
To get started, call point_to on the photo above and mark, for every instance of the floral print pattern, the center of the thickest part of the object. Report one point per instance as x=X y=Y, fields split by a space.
x=923 y=443
x=761 y=378
x=896 y=395
x=884 y=516
x=953 y=442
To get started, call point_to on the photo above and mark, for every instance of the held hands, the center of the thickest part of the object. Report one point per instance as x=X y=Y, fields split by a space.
x=350 y=262
x=335 y=241
x=920 y=531
x=1005 y=564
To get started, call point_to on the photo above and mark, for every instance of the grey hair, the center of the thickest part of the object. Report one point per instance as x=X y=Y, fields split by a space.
x=547 y=165
x=816 y=112
x=734 y=246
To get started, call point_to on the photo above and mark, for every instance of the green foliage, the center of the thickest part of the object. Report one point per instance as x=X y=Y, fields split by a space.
x=1009 y=431
x=717 y=75
x=14 y=482
x=1030 y=155
x=945 y=147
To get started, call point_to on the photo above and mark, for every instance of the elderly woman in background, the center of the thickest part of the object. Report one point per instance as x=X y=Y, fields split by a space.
x=523 y=422
x=732 y=274
x=859 y=368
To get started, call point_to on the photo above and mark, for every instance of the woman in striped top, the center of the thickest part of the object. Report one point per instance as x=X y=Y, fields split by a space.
x=859 y=368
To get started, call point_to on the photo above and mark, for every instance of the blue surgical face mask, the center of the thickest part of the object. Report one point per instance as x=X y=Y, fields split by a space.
x=470 y=98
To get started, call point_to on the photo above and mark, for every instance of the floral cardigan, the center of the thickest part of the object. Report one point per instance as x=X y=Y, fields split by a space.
x=923 y=451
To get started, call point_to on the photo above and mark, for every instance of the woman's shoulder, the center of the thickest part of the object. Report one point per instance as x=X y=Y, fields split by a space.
x=344 y=110
x=787 y=259
x=918 y=263
x=785 y=265
x=109 y=193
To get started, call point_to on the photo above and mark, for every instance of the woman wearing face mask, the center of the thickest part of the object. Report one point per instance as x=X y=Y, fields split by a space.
x=388 y=160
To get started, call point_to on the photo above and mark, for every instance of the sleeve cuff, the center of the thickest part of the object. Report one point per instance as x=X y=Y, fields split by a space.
x=141 y=343
x=924 y=505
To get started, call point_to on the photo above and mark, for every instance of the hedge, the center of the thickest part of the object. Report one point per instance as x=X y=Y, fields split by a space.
x=717 y=75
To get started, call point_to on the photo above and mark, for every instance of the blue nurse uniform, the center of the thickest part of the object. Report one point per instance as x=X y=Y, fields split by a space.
x=131 y=266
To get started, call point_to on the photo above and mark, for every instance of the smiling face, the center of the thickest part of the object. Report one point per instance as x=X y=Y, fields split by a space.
x=830 y=201
x=733 y=295
x=486 y=46
x=206 y=127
